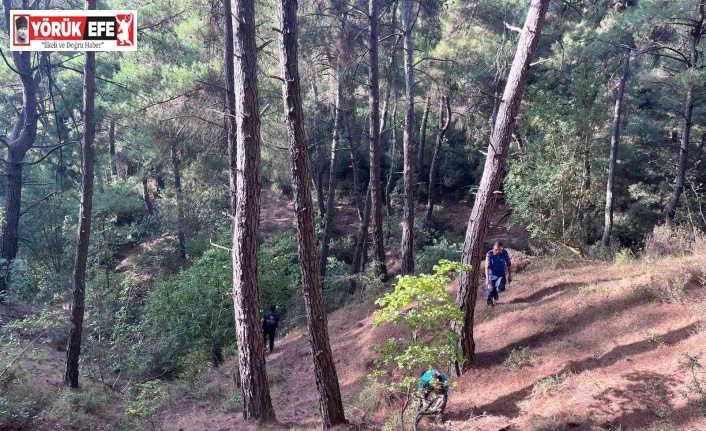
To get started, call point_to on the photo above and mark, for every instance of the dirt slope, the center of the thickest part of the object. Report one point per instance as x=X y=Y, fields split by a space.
x=602 y=353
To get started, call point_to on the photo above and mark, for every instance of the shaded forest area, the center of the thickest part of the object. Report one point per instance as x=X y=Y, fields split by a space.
x=302 y=155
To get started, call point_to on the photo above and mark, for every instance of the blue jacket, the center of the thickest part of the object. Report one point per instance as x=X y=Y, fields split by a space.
x=496 y=264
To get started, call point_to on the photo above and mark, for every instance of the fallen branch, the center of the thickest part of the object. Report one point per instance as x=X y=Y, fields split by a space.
x=219 y=246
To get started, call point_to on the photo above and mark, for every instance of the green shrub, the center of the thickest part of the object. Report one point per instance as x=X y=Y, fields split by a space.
x=373 y=394
x=696 y=389
x=74 y=405
x=195 y=364
x=21 y=286
x=519 y=357
x=20 y=402
x=624 y=256
x=207 y=391
x=279 y=272
x=191 y=313
x=432 y=254
x=335 y=284
x=143 y=401
x=233 y=403
x=546 y=385
x=663 y=290
x=422 y=305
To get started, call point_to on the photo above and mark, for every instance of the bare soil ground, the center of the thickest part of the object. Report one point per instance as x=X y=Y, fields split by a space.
x=601 y=353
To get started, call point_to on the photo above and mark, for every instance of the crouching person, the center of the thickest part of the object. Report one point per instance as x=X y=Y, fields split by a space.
x=433 y=393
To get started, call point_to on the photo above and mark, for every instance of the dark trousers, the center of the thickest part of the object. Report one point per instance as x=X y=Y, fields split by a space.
x=271 y=335
x=495 y=286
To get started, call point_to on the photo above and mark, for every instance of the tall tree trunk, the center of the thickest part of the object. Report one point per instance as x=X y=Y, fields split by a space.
x=73 y=352
x=390 y=76
x=18 y=142
x=496 y=103
x=354 y=163
x=245 y=201
x=693 y=53
x=354 y=159
x=231 y=126
x=331 y=405
x=328 y=222
x=407 y=245
x=614 y=143
x=149 y=205
x=319 y=178
x=444 y=103
x=585 y=197
x=113 y=156
x=683 y=157
x=390 y=185
x=360 y=245
x=374 y=102
x=176 y=162
x=229 y=69
x=423 y=140
x=11 y=227
x=318 y=156
x=493 y=172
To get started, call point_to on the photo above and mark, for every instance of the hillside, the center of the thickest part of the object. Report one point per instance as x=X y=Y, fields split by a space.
x=602 y=353
x=583 y=346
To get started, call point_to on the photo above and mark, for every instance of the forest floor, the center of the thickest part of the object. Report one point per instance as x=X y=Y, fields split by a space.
x=594 y=346
x=572 y=345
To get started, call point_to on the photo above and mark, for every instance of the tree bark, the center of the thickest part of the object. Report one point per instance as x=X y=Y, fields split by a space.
x=390 y=185
x=444 y=103
x=331 y=405
x=683 y=158
x=696 y=34
x=354 y=166
x=360 y=245
x=423 y=141
x=19 y=141
x=407 y=244
x=614 y=143
x=496 y=103
x=245 y=200
x=374 y=102
x=328 y=221
x=73 y=352
x=176 y=162
x=319 y=178
x=493 y=172
x=113 y=156
x=354 y=161
x=149 y=205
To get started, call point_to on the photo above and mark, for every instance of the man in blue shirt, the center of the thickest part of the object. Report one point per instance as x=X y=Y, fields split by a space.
x=495 y=262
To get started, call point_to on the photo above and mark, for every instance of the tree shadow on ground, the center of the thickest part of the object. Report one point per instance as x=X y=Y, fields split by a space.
x=547 y=291
x=571 y=325
x=507 y=405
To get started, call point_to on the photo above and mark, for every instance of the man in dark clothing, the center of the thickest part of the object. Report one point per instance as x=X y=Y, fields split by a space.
x=270 y=324
x=495 y=262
